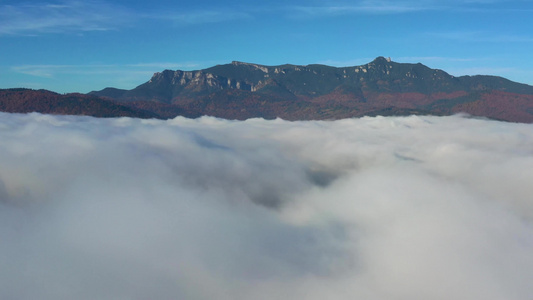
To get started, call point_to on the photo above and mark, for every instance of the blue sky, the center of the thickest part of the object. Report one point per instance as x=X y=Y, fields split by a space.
x=71 y=45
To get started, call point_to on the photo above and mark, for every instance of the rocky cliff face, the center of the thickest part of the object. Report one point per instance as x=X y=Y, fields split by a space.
x=198 y=81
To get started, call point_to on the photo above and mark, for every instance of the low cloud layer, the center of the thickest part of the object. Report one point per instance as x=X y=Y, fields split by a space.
x=371 y=208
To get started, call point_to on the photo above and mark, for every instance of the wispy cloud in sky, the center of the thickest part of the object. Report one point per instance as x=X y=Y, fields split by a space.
x=483 y=36
x=84 y=16
x=127 y=75
x=50 y=71
x=333 y=8
x=69 y=16
x=198 y=16
x=363 y=7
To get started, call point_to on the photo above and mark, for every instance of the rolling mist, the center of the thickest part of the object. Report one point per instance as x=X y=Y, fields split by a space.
x=372 y=208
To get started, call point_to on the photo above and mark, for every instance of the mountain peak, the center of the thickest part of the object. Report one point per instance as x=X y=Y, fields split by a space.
x=381 y=59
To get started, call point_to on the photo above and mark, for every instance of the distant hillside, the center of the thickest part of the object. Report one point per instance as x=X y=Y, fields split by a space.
x=42 y=101
x=243 y=90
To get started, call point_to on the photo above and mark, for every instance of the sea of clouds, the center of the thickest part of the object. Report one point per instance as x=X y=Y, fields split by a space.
x=371 y=208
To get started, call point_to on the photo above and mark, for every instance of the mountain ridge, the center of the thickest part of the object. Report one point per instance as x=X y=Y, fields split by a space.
x=243 y=90
x=256 y=76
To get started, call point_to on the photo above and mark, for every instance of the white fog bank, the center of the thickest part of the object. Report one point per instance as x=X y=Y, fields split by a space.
x=371 y=208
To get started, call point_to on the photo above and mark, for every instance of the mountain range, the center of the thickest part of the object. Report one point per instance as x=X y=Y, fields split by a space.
x=244 y=90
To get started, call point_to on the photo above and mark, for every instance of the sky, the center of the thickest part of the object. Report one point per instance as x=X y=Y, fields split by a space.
x=80 y=46
x=391 y=208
